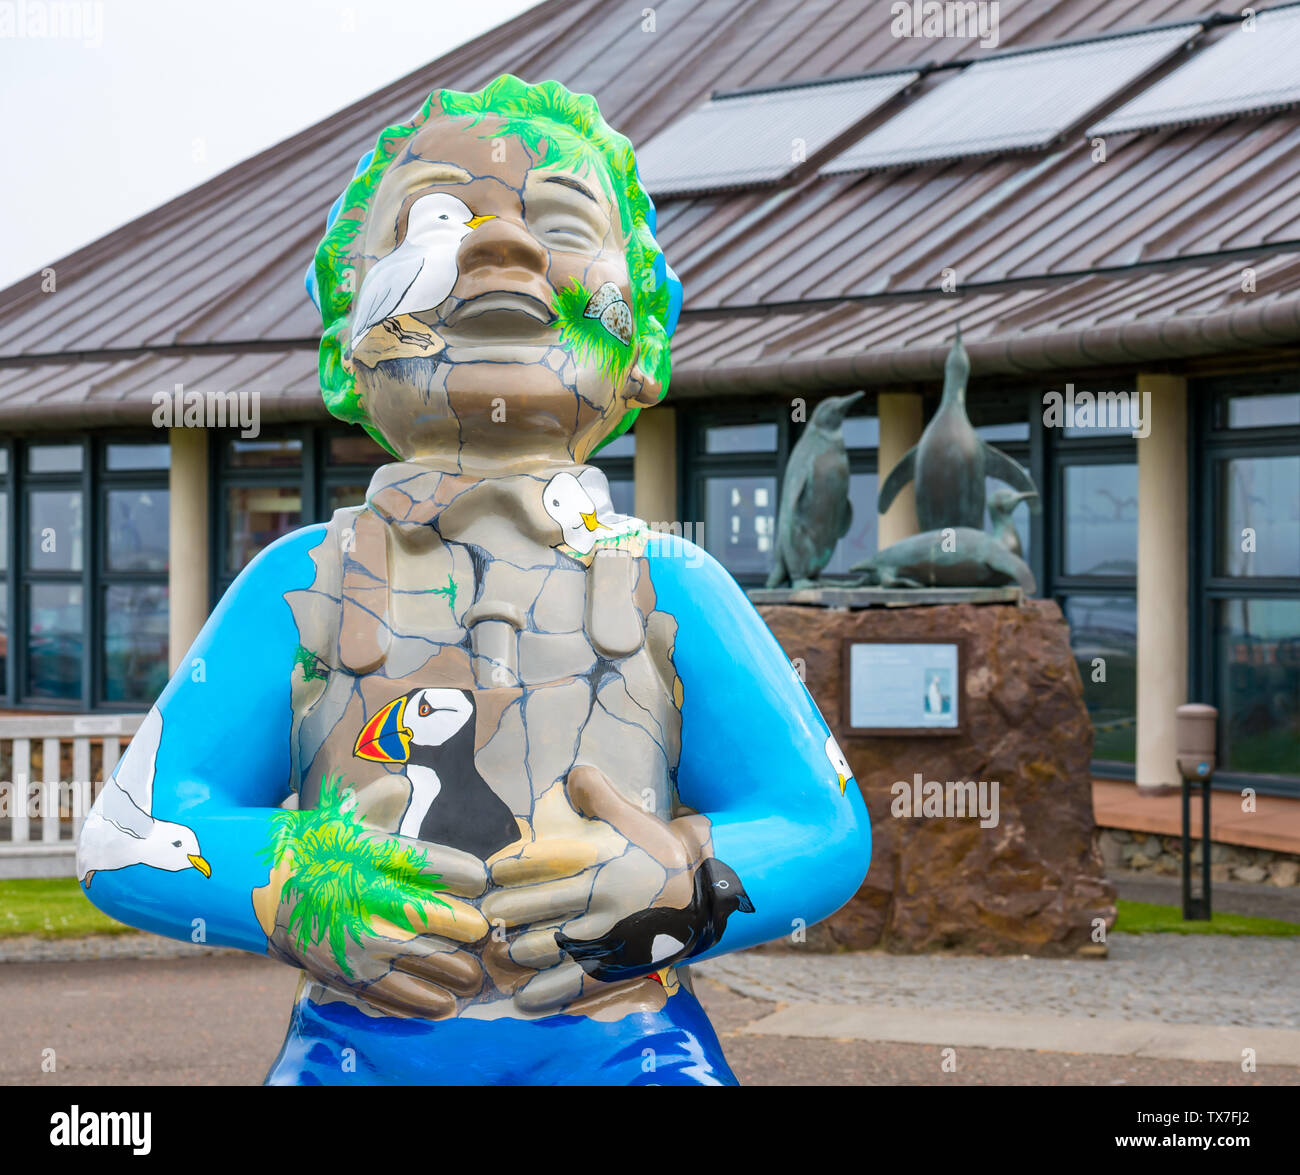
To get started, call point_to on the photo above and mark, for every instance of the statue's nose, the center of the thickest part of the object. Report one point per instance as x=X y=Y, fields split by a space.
x=503 y=244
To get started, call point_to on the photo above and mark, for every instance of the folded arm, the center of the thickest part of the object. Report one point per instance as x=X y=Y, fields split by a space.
x=755 y=758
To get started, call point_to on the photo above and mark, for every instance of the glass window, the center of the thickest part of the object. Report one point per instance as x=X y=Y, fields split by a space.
x=54 y=459
x=1103 y=636
x=1259 y=529
x=356 y=448
x=862 y=432
x=4 y=636
x=340 y=496
x=4 y=460
x=1017 y=430
x=740 y=438
x=862 y=538
x=1261 y=411
x=54 y=640
x=4 y=537
x=624 y=446
x=149 y=456
x=622 y=494
x=740 y=522
x=1100 y=520
x=55 y=530
x=135 y=642
x=285 y=453
x=1100 y=414
x=138 y=530
x=255 y=517
x=1258 y=648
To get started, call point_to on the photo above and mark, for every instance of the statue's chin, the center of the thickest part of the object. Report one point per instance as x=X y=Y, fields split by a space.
x=496 y=410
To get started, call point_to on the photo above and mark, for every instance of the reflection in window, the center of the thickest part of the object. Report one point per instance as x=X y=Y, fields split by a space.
x=341 y=496
x=1103 y=637
x=1259 y=531
x=624 y=446
x=862 y=538
x=622 y=494
x=123 y=457
x=4 y=635
x=135 y=642
x=1101 y=510
x=1265 y=411
x=137 y=530
x=255 y=517
x=1258 y=648
x=356 y=448
x=55 y=533
x=285 y=453
x=54 y=639
x=862 y=432
x=740 y=438
x=54 y=459
x=740 y=522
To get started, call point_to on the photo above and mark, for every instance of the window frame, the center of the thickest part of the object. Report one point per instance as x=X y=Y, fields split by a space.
x=1209 y=444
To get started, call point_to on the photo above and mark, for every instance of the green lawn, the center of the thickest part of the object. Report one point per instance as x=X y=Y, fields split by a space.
x=1143 y=918
x=57 y=908
x=51 y=908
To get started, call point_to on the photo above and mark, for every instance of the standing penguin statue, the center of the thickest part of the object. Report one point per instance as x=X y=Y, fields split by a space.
x=950 y=463
x=815 y=511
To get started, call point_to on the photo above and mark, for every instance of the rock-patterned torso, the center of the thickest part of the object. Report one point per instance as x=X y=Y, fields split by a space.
x=443 y=582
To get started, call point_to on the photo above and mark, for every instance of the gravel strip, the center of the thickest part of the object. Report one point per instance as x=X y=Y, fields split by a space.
x=1167 y=978
x=33 y=949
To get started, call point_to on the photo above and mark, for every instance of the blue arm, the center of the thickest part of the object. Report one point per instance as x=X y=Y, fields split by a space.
x=222 y=766
x=754 y=757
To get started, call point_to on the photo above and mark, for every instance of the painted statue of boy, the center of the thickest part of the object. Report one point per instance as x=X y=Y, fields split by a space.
x=485 y=759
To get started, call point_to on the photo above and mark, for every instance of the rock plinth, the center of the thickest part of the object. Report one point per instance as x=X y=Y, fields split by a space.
x=1032 y=883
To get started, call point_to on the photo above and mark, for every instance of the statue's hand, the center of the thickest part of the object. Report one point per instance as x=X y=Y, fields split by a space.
x=379 y=915
x=618 y=859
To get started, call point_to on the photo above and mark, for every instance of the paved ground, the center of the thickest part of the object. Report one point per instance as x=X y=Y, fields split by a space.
x=1166 y=978
x=1227 y=897
x=218 y=1018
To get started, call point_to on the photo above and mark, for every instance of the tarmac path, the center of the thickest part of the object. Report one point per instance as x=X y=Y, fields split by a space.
x=218 y=1018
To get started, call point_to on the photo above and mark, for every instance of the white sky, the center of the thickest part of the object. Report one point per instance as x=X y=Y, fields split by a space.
x=205 y=84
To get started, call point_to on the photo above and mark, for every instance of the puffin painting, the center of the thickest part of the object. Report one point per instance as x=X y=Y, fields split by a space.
x=653 y=939
x=432 y=732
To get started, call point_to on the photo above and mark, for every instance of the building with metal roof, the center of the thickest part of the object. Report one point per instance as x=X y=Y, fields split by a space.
x=1102 y=207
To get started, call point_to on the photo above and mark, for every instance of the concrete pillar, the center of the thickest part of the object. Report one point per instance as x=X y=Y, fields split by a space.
x=901 y=425
x=654 y=466
x=187 y=576
x=1163 y=510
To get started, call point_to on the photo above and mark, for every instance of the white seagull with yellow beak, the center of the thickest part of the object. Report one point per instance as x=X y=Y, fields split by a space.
x=569 y=504
x=420 y=273
x=120 y=828
x=840 y=765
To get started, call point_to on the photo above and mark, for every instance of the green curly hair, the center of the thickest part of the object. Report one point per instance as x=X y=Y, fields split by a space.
x=561 y=130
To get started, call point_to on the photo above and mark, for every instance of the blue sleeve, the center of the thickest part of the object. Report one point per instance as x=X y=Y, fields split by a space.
x=220 y=769
x=754 y=757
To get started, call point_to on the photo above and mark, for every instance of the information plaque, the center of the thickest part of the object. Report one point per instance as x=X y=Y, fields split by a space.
x=904 y=687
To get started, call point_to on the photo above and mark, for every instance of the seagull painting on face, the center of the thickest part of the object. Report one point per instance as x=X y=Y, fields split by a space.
x=420 y=273
x=120 y=830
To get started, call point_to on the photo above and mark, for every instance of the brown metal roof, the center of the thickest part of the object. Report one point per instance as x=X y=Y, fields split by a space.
x=209 y=287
